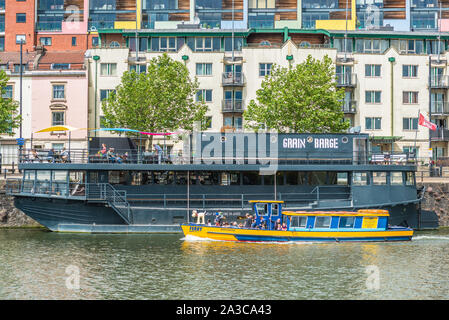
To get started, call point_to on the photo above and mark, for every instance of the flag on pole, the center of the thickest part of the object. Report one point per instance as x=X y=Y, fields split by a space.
x=425 y=123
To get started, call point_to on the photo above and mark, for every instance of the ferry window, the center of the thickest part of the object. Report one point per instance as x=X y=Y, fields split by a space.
x=261 y=209
x=346 y=222
x=251 y=178
x=322 y=222
x=410 y=178
x=298 y=222
x=208 y=178
x=136 y=178
x=275 y=209
x=342 y=178
x=396 y=178
x=235 y=178
x=77 y=179
x=379 y=178
x=359 y=178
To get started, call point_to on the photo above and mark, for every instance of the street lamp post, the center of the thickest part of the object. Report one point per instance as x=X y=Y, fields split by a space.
x=20 y=100
x=96 y=58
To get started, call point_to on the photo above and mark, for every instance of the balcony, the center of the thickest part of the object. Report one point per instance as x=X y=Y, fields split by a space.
x=346 y=80
x=439 y=82
x=232 y=106
x=440 y=134
x=233 y=79
x=349 y=106
x=439 y=108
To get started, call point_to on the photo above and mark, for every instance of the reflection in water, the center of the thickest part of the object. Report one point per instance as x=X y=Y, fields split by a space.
x=33 y=266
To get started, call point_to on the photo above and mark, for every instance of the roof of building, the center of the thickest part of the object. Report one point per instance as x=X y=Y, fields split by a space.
x=14 y=57
x=72 y=57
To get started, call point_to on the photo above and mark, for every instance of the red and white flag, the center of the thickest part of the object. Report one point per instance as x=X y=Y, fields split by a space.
x=425 y=123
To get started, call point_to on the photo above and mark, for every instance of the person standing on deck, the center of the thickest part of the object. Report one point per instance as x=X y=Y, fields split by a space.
x=158 y=152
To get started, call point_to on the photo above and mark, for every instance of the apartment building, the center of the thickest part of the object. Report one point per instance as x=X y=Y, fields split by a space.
x=390 y=55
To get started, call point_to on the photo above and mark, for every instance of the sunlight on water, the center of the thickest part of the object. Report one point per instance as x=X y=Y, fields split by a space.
x=35 y=264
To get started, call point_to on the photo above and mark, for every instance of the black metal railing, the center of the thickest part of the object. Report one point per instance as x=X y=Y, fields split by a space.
x=128 y=156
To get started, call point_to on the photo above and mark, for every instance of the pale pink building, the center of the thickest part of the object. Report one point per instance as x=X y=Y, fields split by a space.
x=59 y=97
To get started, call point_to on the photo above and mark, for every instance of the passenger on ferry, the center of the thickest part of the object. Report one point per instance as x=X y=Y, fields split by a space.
x=249 y=220
x=284 y=227
x=34 y=156
x=103 y=150
x=159 y=152
x=209 y=223
x=277 y=225
x=263 y=223
x=254 y=223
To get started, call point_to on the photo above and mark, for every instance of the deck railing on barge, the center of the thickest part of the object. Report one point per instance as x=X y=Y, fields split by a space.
x=128 y=156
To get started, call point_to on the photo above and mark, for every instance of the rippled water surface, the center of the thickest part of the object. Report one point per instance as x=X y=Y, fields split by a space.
x=36 y=264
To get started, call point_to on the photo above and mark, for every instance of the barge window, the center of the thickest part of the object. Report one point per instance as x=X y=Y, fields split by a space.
x=118 y=177
x=359 y=178
x=322 y=222
x=379 y=178
x=230 y=178
x=298 y=222
x=43 y=181
x=342 y=178
x=396 y=178
x=317 y=178
x=280 y=176
x=410 y=178
x=346 y=222
x=59 y=182
x=28 y=180
x=251 y=178
x=268 y=180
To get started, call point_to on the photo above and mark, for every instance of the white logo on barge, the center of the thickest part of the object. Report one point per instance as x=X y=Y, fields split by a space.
x=318 y=143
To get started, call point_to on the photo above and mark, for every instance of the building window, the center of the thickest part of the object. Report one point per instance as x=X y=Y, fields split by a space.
x=8 y=92
x=207 y=122
x=17 y=68
x=57 y=118
x=264 y=69
x=372 y=70
x=60 y=66
x=104 y=93
x=108 y=69
x=167 y=44
x=58 y=91
x=45 y=41
x=95 y=41
x=73 y=41
x=372 y=123
x=140 y=68
x=409 y=71
x=20 y=38
x=2 y=43
x=372 y=96
x=204 y=95
x=21 y=18
x=409 y=97
x=204 y=69
x=410 y=123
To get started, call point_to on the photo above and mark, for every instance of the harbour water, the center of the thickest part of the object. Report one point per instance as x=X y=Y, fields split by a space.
x=36 y=264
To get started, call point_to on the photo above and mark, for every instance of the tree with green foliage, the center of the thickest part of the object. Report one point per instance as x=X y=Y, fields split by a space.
x=160 y=100
x=303 y=98
x=9 y=117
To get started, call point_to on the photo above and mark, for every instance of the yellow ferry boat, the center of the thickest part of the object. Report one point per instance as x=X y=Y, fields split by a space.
x=271 y=224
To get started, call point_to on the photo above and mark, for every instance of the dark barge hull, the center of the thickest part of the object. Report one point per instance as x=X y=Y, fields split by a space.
x=66 y=215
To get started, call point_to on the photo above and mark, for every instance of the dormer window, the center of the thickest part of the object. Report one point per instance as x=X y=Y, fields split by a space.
x=60 y=66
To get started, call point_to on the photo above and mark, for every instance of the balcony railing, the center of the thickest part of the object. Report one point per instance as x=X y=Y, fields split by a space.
x=440 y=81
x=235 y=105
x=233 y=79
x=349 y=106
x=439 y=107
x=440 y=134
x=346 y=79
